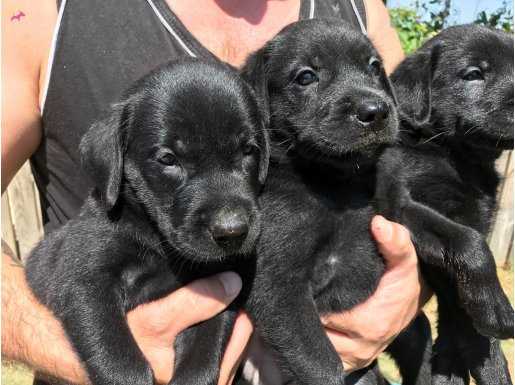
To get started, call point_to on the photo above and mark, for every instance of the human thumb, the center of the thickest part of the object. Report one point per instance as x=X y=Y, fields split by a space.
x=393 y=241
x=203 y=299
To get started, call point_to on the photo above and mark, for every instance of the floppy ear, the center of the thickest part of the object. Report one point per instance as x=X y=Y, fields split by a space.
x=102 y=150
x=255 y=73
x=388 y=86
x=412 y=82
x=264 y=160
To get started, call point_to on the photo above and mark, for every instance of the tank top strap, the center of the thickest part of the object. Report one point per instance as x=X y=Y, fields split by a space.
x=351 y=11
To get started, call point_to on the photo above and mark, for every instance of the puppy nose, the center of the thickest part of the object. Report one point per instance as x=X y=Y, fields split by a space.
x=229 y=229
x=372 y=111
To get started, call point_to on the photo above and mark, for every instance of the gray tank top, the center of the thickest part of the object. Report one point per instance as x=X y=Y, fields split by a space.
x=101 y=47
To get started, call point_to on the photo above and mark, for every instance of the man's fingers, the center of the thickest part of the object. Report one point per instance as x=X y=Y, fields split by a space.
x=235 y=349
x=342 y=322
x=355 y=354
x=201 y=299
x=393 y=241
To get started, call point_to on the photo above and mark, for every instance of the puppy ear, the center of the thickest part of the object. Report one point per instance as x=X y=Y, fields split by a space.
x=102 y=150
x=255 y=73
x=264 y=160
x=388 y=86
x=413 y=81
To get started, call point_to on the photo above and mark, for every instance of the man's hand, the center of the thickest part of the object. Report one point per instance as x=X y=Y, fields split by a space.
x=27 y=326
x=156 y=325
x=362 y=333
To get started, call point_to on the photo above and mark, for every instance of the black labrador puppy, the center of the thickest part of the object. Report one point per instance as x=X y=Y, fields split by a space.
x=456 y=107
x=331 y=115
x=177 y=168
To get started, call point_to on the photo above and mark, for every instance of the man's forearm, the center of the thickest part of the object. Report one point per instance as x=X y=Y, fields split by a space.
x=30 y=333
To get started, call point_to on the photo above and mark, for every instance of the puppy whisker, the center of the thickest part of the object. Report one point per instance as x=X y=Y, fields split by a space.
x=434 y=137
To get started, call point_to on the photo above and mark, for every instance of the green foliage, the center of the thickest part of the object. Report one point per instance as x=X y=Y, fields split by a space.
x=501 y=18
x=413 y=32
x=425 y=18
x=438 y=11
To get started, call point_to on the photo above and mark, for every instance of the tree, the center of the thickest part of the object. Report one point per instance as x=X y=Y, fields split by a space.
x=424 y=19
x=413 y=32
x=501 y=18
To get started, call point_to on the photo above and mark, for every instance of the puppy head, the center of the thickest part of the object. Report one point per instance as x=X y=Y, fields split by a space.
x=186 y=148
x=328 y=95
x=459 y=86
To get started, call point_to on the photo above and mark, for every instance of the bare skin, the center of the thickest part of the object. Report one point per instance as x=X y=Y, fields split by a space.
x=242 y=28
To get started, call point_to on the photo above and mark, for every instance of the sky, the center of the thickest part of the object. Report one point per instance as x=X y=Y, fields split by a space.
x=464 y=11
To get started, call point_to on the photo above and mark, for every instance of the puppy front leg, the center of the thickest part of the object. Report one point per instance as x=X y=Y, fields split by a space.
x=484 y=358
x=463 y=254
x=492 y=370
x=289 y=324
x=94 y=320
x=448 y=363
x=199 y=350
x=460 y=349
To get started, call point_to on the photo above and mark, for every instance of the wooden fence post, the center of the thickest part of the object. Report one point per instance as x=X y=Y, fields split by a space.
x=22 y=227
x=501 y=237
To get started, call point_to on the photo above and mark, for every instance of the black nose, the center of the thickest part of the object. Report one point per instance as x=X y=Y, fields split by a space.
x=372 y=111
x=229 y=229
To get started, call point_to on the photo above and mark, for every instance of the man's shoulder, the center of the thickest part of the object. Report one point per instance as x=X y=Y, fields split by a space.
x=27 y=28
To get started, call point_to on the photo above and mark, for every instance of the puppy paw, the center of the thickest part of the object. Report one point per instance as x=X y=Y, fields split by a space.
x=440 y=379
x=491 y=312
x=448 y=367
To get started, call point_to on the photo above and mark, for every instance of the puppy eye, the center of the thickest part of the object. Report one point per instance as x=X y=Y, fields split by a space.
x=306 y=76
x=473 y=73
x=168 y=159
x=374 y=65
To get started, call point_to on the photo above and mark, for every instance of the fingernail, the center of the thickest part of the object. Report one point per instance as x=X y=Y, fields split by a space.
x=231 y=283
x=384 y=229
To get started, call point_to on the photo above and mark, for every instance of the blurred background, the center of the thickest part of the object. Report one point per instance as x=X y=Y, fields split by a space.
x=415 y=21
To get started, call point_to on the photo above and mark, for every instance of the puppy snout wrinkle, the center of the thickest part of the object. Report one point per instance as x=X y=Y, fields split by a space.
x=230 y=228
x=372 y=111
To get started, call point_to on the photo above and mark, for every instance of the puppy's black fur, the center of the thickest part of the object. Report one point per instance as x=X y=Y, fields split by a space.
x=177 y=166
x=456 y=108
x=331 y=113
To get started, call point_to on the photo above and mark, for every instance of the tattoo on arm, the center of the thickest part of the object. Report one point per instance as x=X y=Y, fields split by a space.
x=17 y=16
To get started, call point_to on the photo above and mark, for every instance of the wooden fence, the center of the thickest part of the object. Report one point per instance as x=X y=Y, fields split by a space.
x=21 y=213
x=22 y=227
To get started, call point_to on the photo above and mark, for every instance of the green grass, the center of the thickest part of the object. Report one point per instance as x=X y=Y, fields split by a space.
x=15 y=374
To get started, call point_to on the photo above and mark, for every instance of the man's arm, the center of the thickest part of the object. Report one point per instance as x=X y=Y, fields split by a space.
x=383 y=34
x=30 y=334
x=25 y=46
